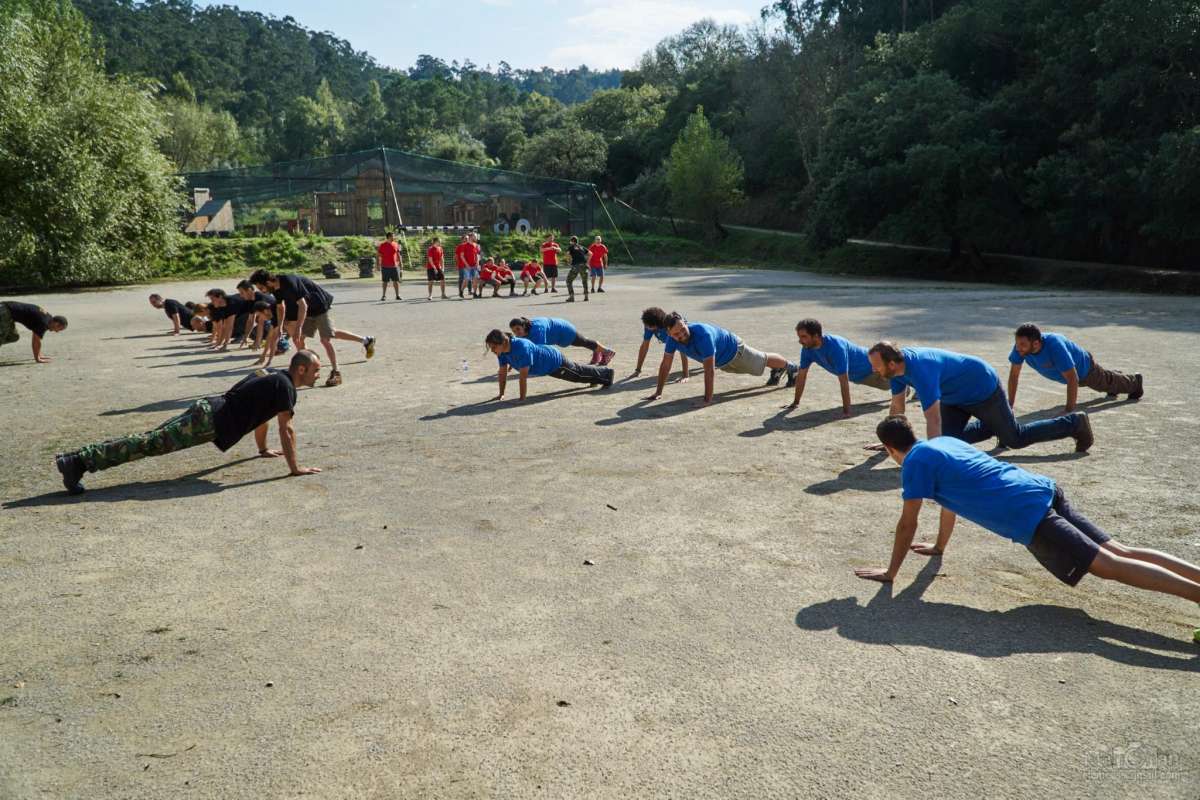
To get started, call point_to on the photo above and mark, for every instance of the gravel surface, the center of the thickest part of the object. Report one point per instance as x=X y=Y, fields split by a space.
x=419 y=621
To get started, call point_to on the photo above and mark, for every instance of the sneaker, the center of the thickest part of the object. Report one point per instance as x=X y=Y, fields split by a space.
x=369 y=346
x=776 y=374
x=1137 y=394
x=608 y=378
x=72 y=469
x=607 y=356
x=383 y=298
x=335 y=379
x=793 y=371
x=1084 y=438
x=585 y=298
x=554 y=290
x=601 y=291
x=570 y=298
x=597 y=354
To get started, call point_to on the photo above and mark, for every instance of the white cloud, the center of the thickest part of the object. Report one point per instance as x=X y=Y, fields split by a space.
x=617 y=32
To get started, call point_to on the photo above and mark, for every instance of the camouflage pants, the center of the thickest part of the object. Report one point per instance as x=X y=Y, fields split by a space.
x=192 y=427
x=577 y=271
x=8 y=328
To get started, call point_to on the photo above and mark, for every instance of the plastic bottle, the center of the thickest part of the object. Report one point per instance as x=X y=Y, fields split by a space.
x=465 y=370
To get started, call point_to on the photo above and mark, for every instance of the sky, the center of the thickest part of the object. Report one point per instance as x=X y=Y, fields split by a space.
x=526 y=33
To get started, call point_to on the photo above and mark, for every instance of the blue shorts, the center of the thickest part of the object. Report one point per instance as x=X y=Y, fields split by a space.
x=470 y=273
x=597 y=272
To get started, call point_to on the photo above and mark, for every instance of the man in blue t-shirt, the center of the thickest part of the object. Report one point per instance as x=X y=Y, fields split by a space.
x=530 y=359
x=654 y=327
x=953 y=388
x=835 y=355
x=560 y=333
x=1029 y=509
x=1061 y=360
x=716 y=348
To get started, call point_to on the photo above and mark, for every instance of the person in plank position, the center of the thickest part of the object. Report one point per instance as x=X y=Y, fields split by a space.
x=954 y=387
x=222 y=419
x=654 y=327
x=534 y=360
x=715 y=348
x=1059 y=359
x=35 y=318
x=1027 y=508
x=561 y=333
x=835 y=355
x=179 y=314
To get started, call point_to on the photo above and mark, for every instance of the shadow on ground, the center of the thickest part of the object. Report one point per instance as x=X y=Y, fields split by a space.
x=646 y=409
x=905 y=619
x=191 y=485
x=780 y=421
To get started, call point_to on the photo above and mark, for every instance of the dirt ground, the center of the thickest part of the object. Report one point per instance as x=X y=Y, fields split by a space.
x=419 y=620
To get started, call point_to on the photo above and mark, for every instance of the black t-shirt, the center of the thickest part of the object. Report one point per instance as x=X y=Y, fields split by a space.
x=293 y=288
x=253 y=400
x=578 y=255
x=33 y=317
x=173 y=307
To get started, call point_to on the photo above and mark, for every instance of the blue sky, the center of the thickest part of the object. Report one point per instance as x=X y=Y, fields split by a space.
x=525 y=33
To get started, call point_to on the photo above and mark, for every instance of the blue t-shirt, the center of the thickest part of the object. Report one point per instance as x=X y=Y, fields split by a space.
x=953 y=378
x=1058 y=354
x=839 y=356
x=551 y=330
x=707 y=340
x=657 y=333
x=540 y=359
x=1001 y=497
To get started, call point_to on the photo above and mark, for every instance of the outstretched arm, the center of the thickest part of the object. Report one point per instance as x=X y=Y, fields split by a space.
x=1072 y=378
x=801 y=379
x=502 y=380
x=897 y=406
x=645 y=348
x=945 y=528
x=664 y=369
x=523 y=376
x=933 y=420
x=175 y=321
x=906 y=528
x=683 y=365
x=1014 y=377
x=844 y=380
x=287 y=438
x=710 y=374
x=37 y=350
x=260 y=439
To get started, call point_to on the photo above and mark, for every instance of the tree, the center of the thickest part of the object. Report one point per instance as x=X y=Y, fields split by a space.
x=197 y=137
x=568 y=152
x=704 y=174
x=85 y=194
x=457 y=146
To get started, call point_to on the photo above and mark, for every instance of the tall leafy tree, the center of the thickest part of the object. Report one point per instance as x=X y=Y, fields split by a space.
x=704 y=174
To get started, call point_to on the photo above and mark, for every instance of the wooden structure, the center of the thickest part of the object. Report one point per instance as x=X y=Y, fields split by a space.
x=210 y=217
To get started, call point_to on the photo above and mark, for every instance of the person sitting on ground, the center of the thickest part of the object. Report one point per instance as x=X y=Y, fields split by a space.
x=715 y=348
x=305 y=306
x=1061 y=360
x=535 y=360
x=954 y=387
x=836 y=356
x=179 y=314
x=504 y=277
x=1027 y=508
x=35 y=318
x=654 y=327
x=560 y=333
x=532 y=273
x=222 y=419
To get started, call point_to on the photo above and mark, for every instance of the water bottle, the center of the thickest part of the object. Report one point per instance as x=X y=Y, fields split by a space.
x=465 y=369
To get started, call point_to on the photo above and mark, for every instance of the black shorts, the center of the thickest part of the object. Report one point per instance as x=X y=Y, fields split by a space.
x=550 y=270
x=1065 y=542
x=390 y=274
x=435 y=274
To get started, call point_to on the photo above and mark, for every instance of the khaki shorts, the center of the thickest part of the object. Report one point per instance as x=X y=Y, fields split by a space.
x=322 y=323
x=748 y=361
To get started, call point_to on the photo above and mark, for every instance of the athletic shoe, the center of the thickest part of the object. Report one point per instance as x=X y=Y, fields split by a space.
x=383 y=298
x=570 y=298
x=585 y=298
x=335 y=379
x=606 y=357
x=72 y=469
x=601 y=291
x=1084 y=438
x=608 y=378
x=776 y=374
x=597 y=354
x=369 y=345
x=793 y=372
x=1137 y=394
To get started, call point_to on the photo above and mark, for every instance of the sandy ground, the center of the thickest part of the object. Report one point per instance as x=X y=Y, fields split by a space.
x=419 y=620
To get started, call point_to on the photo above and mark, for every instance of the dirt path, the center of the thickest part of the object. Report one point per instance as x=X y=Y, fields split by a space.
x=418 y=620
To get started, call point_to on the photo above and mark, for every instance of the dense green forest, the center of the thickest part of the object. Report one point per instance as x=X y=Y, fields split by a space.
x=1056 y=128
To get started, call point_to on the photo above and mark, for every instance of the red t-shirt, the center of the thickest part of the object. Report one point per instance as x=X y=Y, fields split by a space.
x=476 y=252
x=486 y=272
x=550 y=253
x=460 y=254
x=596 y=254
x=503 y=273
x=434 y=256
x=389 y=254
x=530 y=269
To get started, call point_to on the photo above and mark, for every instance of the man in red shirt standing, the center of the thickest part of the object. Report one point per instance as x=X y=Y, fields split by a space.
x=435 y=270
x=550 y=251
x=462 y=260
x=389 y=264
x=597 y=262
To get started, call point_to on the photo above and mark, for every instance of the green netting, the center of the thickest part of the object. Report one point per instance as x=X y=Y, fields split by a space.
x=364 y=192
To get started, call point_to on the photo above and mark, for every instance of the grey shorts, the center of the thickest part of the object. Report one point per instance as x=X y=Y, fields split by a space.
x=322 y=323
x=748 y=361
